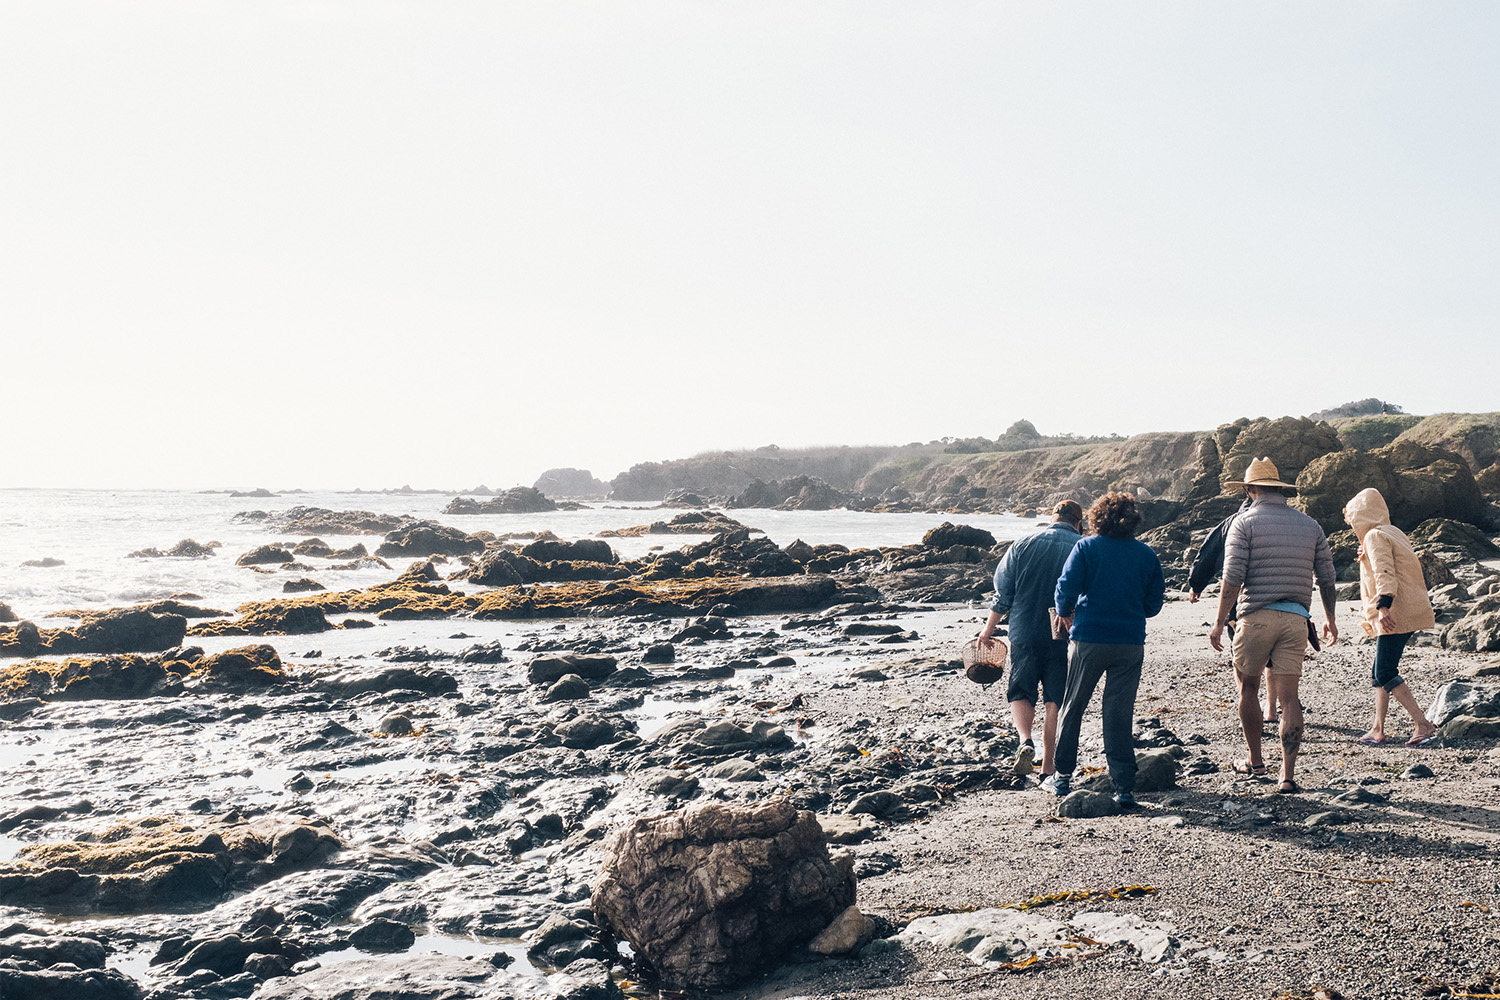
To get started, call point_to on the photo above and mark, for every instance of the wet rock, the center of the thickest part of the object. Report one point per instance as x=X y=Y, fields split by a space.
x=265 y=555
x=583 y=550
x=946 y=536
x=548 y=669
x=414 y=977
x=568 y=687
x=83 y=952
x=185 y=549
x=692 y=737
x=46 y=562
x=584 y=979
x=562 y=940
x=6 y=614
x=715 y=893
x=483 y=652
x=854 y=629
x=119 y=631
x=428 y=538
x=383 y=935
x=428 y=681
x=735 y=769
x=28 y=981
x=586 y=732
x=395 y=724
x=243 y=669
x=661 y=652
x=302 y=586
x=81 y=679
x=268 y=966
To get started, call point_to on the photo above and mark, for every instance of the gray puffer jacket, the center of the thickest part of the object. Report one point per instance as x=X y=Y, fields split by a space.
x=1276 y=553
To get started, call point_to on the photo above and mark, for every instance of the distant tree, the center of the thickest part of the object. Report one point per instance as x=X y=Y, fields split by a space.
x=1358 y=408
x=1021 y=429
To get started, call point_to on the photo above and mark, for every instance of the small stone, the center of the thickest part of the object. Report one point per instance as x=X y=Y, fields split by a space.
x=1417 y=771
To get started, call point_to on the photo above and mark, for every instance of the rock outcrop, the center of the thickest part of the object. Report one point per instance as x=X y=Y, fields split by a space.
x=713 y=894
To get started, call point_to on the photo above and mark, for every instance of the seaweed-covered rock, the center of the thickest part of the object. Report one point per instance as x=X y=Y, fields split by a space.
x=121 y=631
x=265 y=555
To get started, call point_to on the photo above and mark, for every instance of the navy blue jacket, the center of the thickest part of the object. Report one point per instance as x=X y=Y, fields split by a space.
x=1111 y=585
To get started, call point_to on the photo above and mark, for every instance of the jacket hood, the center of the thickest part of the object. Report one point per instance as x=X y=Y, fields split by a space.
x=1367 y=510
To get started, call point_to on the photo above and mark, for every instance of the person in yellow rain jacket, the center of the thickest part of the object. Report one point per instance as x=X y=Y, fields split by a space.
x=1394 y=592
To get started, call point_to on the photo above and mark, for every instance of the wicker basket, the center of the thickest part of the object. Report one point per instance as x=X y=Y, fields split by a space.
x=985 y=666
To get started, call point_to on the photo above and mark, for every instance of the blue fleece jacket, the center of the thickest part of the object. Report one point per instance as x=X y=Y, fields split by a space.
x=1111 y=585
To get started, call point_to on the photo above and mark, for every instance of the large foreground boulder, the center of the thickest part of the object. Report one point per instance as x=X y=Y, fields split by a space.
x=714 y=894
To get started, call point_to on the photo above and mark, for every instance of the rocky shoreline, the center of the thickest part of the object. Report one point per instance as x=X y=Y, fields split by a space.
x=283 y=803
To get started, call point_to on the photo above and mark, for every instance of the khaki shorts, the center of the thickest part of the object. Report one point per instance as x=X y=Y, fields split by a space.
x=1278 y=638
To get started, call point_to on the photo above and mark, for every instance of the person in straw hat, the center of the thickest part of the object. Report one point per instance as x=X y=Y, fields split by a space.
x=1273 y=556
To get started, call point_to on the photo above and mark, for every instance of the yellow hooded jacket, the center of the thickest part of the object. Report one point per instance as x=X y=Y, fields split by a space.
x=1387 y=565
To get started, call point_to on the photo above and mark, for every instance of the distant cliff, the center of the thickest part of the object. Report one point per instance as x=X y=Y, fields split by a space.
x=1182 y=467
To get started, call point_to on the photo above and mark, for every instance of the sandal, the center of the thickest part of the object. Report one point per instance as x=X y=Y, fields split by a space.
x=1371 y=741
x=1288 y=787
x=1426 y=740
x=1245 y=767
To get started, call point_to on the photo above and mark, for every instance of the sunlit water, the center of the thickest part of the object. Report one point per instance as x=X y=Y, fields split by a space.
x=92 y=532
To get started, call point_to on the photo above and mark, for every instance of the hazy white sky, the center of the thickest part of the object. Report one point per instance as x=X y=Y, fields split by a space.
x=338 y=243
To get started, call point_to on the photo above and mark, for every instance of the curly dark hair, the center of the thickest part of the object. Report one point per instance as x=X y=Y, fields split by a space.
x=1115 y=515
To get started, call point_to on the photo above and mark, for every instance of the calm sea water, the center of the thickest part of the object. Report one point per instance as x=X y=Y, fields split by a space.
x=91 y=533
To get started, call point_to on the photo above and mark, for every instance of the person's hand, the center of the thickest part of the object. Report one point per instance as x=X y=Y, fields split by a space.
x=986 y=642
x=1216 y=638
x=1330 y=632
x=1192 y=597
x=1387 y=622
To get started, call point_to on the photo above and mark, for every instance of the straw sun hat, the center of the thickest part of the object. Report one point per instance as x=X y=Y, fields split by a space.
x=1262 y=472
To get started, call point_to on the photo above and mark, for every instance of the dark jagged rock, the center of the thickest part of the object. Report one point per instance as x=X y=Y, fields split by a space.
x=548 y=669
x=582 y=550
x=244 y=669
x=432 y=682
x=322 y=521
x=185 y=549
x=119 y=631
x=519 y=500
x=302 y=586
x=576 y=483
x=428 y=538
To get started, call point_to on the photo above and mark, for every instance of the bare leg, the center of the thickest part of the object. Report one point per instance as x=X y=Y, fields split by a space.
x=1409 y=702
x=1382 y=704
x=1250 y=717
x=1049 y=738
x=1291 y=723
x=1023 y=714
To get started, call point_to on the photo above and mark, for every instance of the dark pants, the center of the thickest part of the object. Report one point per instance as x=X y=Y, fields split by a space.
x=1120 y=666
x=1386 y=671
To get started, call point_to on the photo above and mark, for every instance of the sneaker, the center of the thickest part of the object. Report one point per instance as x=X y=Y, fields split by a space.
x=1025 y=760
x=1126 y=801
x=1058 y=784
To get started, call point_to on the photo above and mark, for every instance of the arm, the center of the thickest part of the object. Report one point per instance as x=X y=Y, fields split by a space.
x=1227 y=597
x=1330 y=608
x=1072 y=583
x=1156 y=587
x=1209 y=561
x=1005 y=592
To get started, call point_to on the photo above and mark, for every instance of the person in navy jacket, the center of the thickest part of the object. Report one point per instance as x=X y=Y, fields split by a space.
x=1109 y=586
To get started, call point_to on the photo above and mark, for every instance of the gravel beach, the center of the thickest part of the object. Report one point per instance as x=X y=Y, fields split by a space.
x=1264 y=895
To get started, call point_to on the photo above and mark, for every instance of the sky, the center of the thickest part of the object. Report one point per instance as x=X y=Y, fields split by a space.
x=369 y=243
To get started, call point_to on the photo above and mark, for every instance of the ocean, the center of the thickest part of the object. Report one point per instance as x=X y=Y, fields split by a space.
x=70 y=549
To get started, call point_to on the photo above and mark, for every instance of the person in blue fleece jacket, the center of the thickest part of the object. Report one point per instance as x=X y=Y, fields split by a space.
x=1110 y=585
